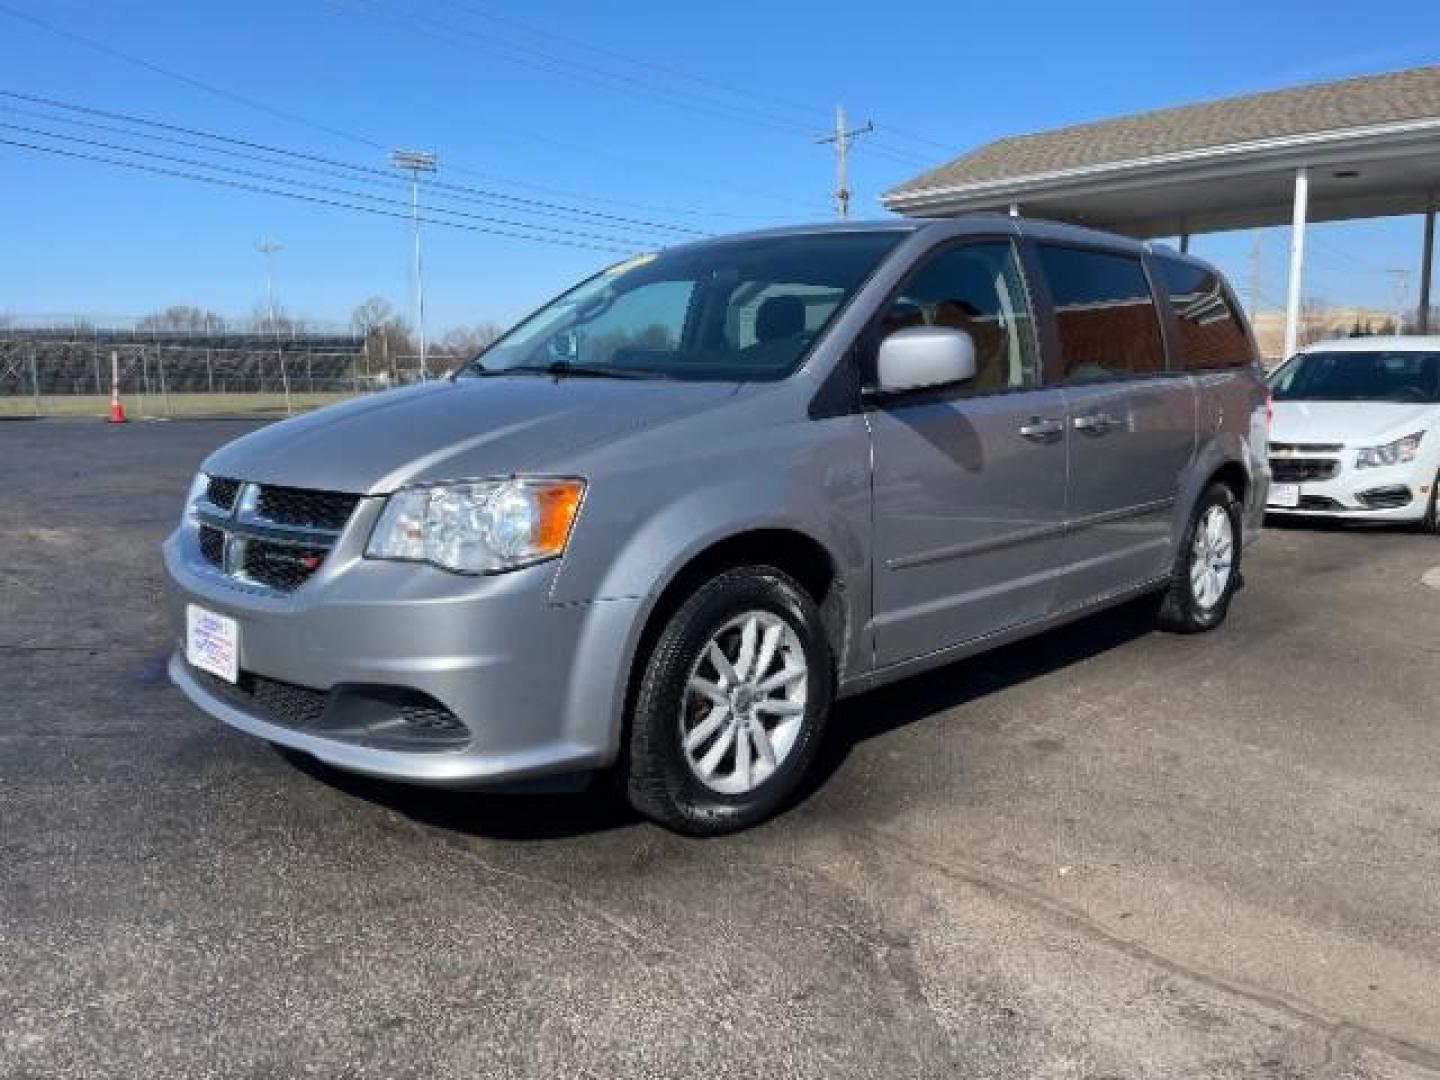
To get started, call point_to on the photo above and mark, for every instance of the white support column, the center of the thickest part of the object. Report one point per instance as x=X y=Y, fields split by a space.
x=1427 y=267
x=1297 y=261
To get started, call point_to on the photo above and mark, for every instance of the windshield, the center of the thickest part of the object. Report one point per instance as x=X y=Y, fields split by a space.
x=1359 y=376
x=730 y=310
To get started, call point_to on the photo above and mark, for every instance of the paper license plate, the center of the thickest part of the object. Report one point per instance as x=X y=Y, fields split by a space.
x=212 y=642
x=1285 y=495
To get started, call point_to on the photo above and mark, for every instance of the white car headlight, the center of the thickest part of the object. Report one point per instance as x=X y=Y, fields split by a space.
x=1396 y=453
x=478 y=528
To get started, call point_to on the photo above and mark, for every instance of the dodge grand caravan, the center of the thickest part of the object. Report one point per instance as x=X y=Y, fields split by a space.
x=663 y=523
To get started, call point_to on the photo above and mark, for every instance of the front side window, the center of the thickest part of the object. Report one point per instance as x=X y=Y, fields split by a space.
x=727 y=310
x=977 y=288
x=1210 y=330
x=1105 y=313
x=1359 y=376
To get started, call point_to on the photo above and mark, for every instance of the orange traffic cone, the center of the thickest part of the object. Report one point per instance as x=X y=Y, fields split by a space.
x=117 y=410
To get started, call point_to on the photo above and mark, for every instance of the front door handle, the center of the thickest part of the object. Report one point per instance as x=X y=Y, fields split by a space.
x=1042 y=430
x=1095 y=423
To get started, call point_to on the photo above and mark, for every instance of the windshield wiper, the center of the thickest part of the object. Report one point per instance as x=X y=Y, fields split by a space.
x=561 y=369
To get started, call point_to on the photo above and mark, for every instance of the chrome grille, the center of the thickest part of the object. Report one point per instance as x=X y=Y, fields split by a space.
x=1283 y=449
x=270 y=535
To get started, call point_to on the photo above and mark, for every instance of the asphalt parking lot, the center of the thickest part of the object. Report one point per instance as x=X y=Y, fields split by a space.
x=1105 y=852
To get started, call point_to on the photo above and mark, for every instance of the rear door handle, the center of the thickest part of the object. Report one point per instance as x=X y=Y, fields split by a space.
x=1042 y=430
x=1095 y=423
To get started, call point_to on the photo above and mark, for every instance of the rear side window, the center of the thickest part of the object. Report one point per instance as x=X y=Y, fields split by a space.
x=1210 y=331
x=977 y=288
x=1105 y=313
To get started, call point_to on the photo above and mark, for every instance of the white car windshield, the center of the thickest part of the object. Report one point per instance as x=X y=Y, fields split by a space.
x=729 y=310
x=1348 y=375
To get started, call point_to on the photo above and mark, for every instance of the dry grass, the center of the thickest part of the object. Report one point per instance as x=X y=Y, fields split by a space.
x=139 y=407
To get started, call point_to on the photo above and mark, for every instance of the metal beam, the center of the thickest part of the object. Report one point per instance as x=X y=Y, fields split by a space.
x=1427 y=268
x=1297 y=260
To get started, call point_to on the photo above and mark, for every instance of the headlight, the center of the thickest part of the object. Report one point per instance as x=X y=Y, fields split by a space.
x=478 y=528
x=1395 y=453
x=198 y=487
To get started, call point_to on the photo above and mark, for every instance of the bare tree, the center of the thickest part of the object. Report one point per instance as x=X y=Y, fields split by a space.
x=387 y=335
x=181 y=317
x=463 y=342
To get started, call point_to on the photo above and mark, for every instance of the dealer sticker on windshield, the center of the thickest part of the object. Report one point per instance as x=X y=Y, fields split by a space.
x=1285 y=496
x=212 y=643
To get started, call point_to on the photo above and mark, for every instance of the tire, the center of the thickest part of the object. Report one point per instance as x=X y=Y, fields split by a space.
x=668 y=748
x=1195 y=601
x=1430 y=523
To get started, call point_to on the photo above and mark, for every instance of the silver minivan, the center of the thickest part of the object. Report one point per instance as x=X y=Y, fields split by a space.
x=659 y=527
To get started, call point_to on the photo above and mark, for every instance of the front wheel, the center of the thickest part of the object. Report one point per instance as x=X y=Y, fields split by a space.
x=1207 y=566
x=1430 y=523
x=731 y=704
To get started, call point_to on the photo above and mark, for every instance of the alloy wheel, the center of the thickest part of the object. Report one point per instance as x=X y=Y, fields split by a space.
x=744 y=703
x=1212 y=556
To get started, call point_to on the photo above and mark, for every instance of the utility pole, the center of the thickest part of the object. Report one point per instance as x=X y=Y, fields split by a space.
x=1254 y=274
x=842 y=137
x=416 y=162
x=270 y=248
x=1400 y=282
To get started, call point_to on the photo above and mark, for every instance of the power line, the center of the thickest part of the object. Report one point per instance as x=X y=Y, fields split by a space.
x=199 y=84
x=290 y=117
x=553 y=63
x=456 y=36
x=301 y=197
x=809 y=110
x=312 y=162
x=271 y=178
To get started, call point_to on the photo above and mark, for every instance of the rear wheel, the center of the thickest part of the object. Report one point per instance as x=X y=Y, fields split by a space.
x=731 y=705
x=1207 y=566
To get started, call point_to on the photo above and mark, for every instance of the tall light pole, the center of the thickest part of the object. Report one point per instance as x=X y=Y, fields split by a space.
x=842 y=137
x=416 y=162
x=270 y=248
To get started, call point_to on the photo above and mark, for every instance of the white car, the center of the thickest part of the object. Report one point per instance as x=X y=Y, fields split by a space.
x=1356 y=431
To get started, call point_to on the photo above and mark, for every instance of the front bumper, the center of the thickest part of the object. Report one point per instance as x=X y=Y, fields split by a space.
x=1343 y=495
x=538 y=685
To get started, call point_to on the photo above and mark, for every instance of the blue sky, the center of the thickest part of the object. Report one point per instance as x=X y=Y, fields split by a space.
x=709 y=130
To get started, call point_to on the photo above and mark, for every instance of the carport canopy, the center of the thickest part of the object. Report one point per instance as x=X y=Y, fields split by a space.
x=1358 y=148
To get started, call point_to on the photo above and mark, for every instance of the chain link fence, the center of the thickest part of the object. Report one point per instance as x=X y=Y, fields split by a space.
x=60 y=371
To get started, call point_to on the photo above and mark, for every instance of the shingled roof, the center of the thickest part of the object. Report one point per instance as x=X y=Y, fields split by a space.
x=1324 y=107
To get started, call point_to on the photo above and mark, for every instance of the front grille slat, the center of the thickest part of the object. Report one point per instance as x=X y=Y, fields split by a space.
x=220 y=492
x=1301 y=470
x=212 y=545
x=305 y=509
x=282 y=534
x=1306 y=448
x=281 y=566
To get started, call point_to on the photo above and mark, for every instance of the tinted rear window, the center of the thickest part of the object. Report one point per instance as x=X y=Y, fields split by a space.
x=1105 y=313
x=1211 y=334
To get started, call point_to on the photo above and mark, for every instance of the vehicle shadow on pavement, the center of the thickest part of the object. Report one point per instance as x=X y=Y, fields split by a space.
x=879 y=712
x=517 y=814
x=592 y=807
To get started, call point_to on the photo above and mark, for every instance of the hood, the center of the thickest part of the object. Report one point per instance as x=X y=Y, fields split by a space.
x=452 y=430
x=1356 y=423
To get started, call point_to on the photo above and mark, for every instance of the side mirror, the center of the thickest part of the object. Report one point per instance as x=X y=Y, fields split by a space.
x=921 y=357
